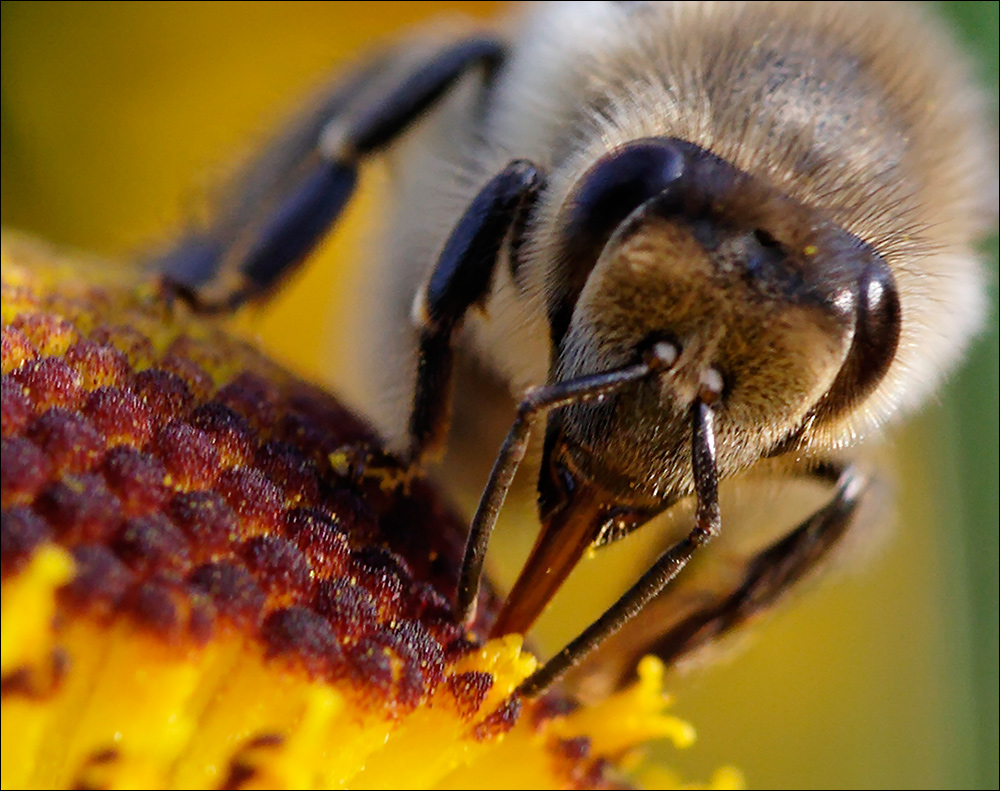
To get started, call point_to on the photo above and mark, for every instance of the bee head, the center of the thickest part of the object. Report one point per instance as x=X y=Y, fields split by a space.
x=753 y=302
x=792 y=319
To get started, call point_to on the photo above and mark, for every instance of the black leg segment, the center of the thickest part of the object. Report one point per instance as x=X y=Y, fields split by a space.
x=460 y=280
x=291 y=196
x=382 y=122
x=299 y=222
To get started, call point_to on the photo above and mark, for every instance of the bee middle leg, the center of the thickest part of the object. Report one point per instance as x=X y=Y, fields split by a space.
x=293 y=193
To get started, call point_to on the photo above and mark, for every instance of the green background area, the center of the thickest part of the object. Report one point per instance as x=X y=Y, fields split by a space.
x=117 y=116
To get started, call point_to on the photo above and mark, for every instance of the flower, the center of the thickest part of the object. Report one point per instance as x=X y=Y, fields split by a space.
x=213 y=575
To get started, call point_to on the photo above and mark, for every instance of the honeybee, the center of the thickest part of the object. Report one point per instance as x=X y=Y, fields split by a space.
x=696 y=242
x=237 y=87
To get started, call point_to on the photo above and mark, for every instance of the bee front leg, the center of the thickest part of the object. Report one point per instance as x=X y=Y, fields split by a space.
x=461 y=279
x=292 y=194
x=537 y=401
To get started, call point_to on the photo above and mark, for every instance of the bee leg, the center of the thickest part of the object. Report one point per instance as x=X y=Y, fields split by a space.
x=294 y=192
x=768 y=576
x=461 y=279
x=774 y=571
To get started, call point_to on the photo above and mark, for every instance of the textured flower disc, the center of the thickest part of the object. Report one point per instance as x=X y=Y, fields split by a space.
x=212 y=576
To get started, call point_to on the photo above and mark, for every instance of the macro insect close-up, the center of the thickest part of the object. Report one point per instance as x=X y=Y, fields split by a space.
x=707 y=248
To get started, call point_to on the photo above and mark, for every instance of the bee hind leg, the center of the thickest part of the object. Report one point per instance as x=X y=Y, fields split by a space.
x=773 y=572
x=292 y=194
x=766 y=578
x=769 y=575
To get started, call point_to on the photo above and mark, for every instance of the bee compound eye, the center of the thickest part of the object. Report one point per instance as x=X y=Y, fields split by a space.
x=620 y=182
x=877 y=329
x=876 y=335
x=600 y=201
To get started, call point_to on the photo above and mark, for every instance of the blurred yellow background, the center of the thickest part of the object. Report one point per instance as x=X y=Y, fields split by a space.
x=117 y=116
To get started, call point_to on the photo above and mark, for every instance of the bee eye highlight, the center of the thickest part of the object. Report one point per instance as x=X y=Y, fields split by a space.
x=876 y=337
